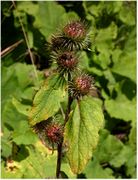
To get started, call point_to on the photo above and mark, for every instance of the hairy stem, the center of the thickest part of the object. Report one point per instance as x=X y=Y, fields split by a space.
x=65 y=121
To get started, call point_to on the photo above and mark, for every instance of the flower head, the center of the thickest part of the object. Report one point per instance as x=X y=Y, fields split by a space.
x=67 y=61
x=73 y=36
x=75 y=30
x=81 y=85
x=49 y=132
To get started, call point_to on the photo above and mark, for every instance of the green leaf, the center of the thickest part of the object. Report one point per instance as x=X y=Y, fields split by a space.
x=84 y=61
x=6 y=145
x=7 y=173
x=47 y=21
x=110 y=151
x=111 y=80
x=22 y=9
x=47 y=100
x=68 y=16
x=113 y=6
x=103 y=7
x=11 y=116
x=127 y=14
x=106 y=151
x=116 y=55
x=131 y=163
x=66 y=169
x=121 y=108
x=33 y=166
x=132 y=137
x=104 y=44
x=130 y=44
x=40 y=163
x=17 y=79
x=28 y=137
x=95 y=170
x=105 y=37
x=126 y=65
x=81 y=132
x=22 y=108
x=122 y=157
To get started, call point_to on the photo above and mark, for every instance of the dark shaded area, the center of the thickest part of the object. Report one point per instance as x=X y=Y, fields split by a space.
x=63 y=175
x=117 y=172
x=7 y=23
x=74 y=6
x=40 y=51
x=118 y=127
x=81 y=176
x=20 y=153
x=129 y=89
x=8 y=127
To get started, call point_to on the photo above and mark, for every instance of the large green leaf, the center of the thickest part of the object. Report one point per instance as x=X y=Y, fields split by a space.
x=47 y=100
x=81 y=132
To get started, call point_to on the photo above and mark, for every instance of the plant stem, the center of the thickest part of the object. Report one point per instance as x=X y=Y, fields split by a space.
x=65 y=121
x=69 y=102
x=59 y=160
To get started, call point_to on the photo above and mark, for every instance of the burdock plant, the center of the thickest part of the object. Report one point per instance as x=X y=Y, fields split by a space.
x=82 y=118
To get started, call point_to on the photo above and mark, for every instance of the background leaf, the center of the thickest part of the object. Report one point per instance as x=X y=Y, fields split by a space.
x=126 y=110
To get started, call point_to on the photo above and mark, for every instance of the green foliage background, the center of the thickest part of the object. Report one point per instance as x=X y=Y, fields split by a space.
x=112 y=62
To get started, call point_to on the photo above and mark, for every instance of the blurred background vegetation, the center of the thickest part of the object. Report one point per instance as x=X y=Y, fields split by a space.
x=112 y=61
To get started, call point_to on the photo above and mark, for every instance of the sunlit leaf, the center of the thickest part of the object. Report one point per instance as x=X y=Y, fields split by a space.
x=47 y=100
x=81 y=132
